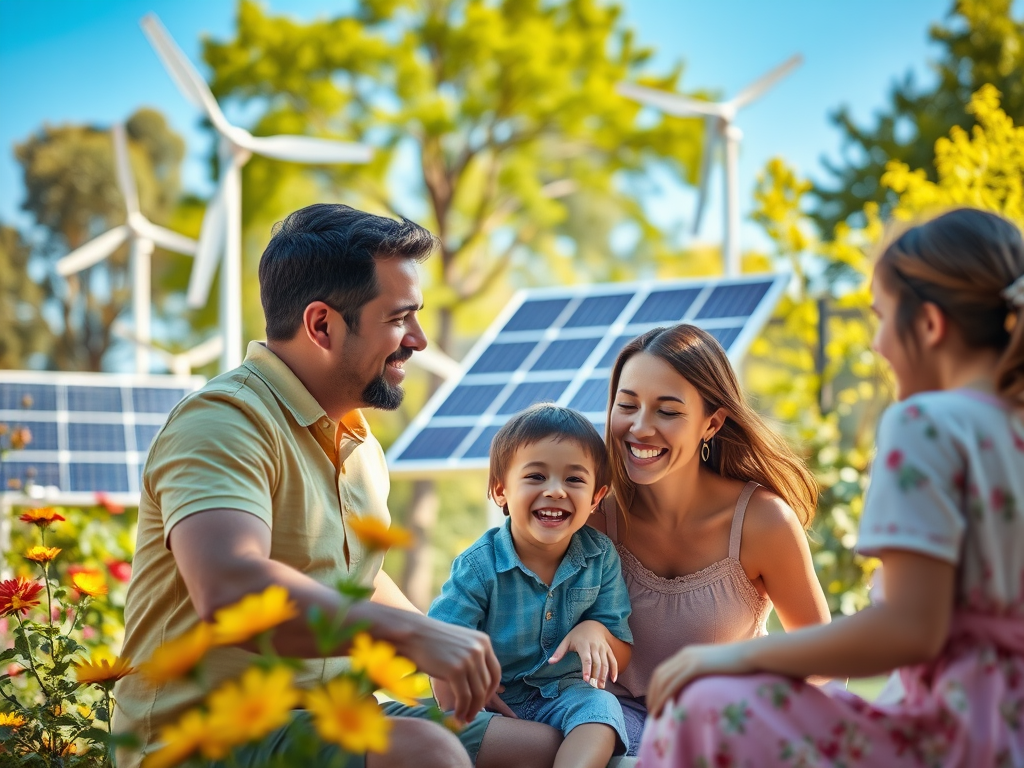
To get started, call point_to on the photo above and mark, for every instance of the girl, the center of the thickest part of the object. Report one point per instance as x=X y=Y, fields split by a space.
x=708 y=511
x=944 y=515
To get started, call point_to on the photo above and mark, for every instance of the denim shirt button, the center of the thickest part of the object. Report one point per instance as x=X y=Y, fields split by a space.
x=548 y=615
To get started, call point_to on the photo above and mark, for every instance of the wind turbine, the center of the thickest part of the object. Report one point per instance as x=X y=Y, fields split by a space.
x=719 y=118
x=222 y=225
x=143 y=234
x=180 y=363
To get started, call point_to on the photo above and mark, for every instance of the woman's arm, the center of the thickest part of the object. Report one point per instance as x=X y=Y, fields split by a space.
x=774 y=547
x=910 y=627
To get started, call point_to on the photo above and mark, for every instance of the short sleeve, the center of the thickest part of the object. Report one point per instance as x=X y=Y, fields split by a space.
x=612 y=606
x=913 y=501
x=464 y=597
x=213 y=453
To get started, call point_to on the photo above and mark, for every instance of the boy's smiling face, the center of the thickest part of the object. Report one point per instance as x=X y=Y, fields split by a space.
x=550 y=492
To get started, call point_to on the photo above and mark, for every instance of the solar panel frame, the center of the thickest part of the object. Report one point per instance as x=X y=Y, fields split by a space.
x=744 y=329
x=77 y=449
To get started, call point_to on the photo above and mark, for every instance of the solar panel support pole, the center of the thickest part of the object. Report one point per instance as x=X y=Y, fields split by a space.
x=5 y=534
x=731 y=240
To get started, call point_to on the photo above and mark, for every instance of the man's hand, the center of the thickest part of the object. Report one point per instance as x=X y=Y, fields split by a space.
x=590 y=640
x=446 y=699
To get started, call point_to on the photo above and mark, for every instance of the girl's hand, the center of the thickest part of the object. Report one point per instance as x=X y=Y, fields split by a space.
x=590 y=640
x=692 y=662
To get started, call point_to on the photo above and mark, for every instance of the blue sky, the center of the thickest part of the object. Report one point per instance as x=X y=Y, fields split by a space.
x=87 y=61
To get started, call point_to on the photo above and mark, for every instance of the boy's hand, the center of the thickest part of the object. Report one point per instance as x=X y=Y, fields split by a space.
x=590 y=640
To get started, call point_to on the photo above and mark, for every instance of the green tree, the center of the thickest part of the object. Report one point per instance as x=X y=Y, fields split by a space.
x=23 y=332
x=72 y=193
x=496 y=125
x=980 y=43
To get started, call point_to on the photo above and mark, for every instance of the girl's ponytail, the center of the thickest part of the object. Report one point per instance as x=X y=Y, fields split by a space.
x=1010 y=371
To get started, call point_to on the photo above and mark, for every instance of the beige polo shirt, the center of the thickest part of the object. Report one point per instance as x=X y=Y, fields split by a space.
x=255 y=440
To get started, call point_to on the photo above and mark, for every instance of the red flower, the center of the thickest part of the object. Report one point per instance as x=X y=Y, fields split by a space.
x=894 y=460
x=108 y=504
x=18 y=595
x=120 y=570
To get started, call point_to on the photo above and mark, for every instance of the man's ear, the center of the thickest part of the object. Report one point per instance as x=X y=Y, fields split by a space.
x=323 y=325
x=931 y=325
x=598 y=496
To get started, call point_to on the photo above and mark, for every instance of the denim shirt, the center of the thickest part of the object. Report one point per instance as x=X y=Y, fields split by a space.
x=490 y=590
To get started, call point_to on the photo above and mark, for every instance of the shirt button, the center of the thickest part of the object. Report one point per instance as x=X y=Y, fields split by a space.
x=551 y=594
x=548 y=615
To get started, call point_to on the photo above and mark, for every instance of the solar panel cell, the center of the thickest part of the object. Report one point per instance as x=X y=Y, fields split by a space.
x=501 y=358
x=105 y=399
x=156 y=399
x=733 y=300
x=531 y=392
x=44 y=434
x=112 y=478
x=536 y=315
x=13 y=393
x=725 y=336
x=613 y=351
x=144 y=434
x=665 y=306
x=435 y=443
x=481 y=447
x=95 y=437
x=40 y=473
x=591 y=397
x=598 y=310
x=565 y=354
x=469 y=400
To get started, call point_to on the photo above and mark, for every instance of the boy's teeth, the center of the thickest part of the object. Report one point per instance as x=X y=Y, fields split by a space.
x=644 y=453
x=551 y=513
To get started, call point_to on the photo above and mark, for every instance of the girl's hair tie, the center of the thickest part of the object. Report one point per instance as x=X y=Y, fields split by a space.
x=1014 y=292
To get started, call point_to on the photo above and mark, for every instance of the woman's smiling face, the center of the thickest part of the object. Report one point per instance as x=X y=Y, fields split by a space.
x=658 y=419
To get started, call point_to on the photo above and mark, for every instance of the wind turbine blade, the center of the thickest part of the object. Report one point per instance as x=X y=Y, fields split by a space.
x=670 y=103
x=304 y=149
x=712 y=132
x=93 y=252
x=204 y=353
x=123 y=165
x=436 y=362
x=165 y=238
x=185 y=76
x=758 y=87
x=209 y=250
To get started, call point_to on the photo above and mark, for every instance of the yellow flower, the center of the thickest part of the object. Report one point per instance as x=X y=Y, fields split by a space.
x=102 y=669
x=252 y=615
x=90 y=583
x=177 y=657
x=11 y=720
x=388 y=671
x=42 y=554
x=342 y=716
x=184 y=737
x=248 y=709
x=376 y=535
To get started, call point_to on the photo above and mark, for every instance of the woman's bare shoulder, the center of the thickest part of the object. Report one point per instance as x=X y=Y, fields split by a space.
x=769 y=517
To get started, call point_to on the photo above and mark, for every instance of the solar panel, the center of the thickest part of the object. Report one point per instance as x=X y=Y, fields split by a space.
x=559 y=344
x=90 y=431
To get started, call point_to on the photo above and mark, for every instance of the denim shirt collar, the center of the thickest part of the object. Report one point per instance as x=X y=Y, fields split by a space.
x=581 y=549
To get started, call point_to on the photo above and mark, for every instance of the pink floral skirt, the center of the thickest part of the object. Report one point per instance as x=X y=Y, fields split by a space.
x=965 y=709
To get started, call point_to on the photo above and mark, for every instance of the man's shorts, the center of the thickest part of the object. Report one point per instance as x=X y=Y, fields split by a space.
x=577 y=703
x=331 y=754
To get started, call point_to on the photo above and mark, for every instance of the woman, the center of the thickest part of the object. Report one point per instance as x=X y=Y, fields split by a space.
x=942 y=513
x=709 y=508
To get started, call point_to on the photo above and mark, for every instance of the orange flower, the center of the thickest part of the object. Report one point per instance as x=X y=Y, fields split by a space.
x=101 y=670
x=181 y=739
x=11 y=720
x=388 y=670
x=42 y=554
x=342 y=715
x=377 y=535
x=177 y=657
x=18 y=594
x=20 y=438
x=90 y=583
x=43 y=517
x=253 y=614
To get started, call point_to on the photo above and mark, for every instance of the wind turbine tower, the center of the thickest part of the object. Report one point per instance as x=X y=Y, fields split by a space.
x=222 y=225
x=719 y=126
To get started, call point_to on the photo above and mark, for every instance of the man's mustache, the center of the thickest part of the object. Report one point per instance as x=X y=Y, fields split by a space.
x=400 y=356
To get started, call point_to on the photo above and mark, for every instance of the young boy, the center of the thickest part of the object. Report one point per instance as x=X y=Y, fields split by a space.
x=545 y=584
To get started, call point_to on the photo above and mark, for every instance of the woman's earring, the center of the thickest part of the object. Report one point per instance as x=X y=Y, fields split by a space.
x=705 y=451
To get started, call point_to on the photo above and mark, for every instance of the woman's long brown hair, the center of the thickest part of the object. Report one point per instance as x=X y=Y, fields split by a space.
x=745 y=448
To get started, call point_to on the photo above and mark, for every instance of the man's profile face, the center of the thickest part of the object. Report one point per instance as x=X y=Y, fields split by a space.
x=388 y=333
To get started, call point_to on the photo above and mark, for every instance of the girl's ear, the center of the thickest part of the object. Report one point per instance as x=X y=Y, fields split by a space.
x=716 y=422
x=931 y=325
x=598 y=496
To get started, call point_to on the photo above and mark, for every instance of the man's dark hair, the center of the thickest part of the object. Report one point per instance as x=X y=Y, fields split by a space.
x=325 y=252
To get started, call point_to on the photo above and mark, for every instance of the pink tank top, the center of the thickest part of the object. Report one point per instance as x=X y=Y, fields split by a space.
x=717 y=604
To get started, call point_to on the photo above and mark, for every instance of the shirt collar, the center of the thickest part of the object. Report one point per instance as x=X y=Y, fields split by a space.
x=582 y=547
x=294 y=396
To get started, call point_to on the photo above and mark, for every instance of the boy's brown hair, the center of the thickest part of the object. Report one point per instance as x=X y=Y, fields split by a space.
x=540 y=422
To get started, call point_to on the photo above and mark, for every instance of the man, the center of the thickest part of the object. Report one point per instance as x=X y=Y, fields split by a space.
x=252 y=479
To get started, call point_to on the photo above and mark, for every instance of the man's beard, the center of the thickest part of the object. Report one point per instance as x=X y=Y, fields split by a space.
x=379 y=393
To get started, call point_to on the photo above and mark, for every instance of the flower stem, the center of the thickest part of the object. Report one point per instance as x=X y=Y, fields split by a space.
x=31 y=661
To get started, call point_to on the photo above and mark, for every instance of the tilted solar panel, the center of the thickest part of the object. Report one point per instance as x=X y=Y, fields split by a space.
x=559 y=344
x=90 y=432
